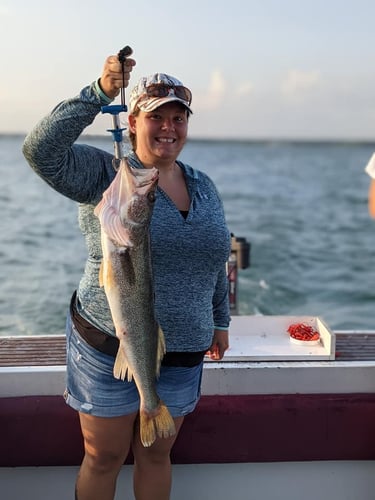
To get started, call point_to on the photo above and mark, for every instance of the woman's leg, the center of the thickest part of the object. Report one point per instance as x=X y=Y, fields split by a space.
x=107 y=441
x=152 y=466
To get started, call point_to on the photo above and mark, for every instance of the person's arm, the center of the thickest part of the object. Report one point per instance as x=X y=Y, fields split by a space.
x=220 y=299
x=220 y=341
x=371 y=198
x=49 y=148
x=370 y=170
x=75 y=170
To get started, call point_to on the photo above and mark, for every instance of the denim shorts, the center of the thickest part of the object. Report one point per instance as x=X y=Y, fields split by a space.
x=92 y=388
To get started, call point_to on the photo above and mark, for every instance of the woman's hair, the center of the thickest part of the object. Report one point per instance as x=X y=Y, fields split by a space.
x=133 y=136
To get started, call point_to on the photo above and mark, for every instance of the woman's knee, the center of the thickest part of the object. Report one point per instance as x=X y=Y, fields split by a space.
x=159 y=452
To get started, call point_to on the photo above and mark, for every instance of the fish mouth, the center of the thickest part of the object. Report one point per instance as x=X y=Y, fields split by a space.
x=144 y=176
x=155 y=176
x=152 y=179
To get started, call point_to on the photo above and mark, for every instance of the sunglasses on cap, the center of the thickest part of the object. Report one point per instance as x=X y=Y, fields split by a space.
x=164 y=90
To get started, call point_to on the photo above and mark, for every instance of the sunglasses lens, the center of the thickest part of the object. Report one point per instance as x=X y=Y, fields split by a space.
x=183 y=93
x=162 y=90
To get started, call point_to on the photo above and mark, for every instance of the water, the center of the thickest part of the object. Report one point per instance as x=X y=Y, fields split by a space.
x=303 y=207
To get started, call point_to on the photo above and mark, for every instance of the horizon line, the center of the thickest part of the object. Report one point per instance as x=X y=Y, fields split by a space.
x=332 y=139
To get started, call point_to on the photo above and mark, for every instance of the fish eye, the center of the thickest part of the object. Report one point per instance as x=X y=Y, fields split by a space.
x=151 y=196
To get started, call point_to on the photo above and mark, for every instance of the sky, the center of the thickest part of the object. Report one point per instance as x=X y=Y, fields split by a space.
x=258 y=69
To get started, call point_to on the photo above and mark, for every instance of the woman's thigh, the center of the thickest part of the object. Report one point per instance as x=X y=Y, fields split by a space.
x=107 y=438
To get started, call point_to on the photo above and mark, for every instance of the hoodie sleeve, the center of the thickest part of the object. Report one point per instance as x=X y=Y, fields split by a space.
x=221 y=301
x=80 y=172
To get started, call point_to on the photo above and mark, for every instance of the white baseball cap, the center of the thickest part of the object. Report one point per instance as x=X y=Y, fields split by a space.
x=158 y=89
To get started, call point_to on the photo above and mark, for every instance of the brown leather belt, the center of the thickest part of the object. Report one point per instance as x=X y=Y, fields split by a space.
x=101 y=341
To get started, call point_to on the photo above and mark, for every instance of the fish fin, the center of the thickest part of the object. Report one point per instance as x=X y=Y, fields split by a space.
x=99 y=207
x=160 y=350
x=111 y=224
x=106 y=274
x=161 y=424
x=164 y=422
x=118 y=233
x=121 y=368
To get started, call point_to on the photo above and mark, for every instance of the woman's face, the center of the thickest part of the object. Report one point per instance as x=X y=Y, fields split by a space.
x=160 y=134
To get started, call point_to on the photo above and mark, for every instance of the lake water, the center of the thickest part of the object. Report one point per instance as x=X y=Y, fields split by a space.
x=302 y=206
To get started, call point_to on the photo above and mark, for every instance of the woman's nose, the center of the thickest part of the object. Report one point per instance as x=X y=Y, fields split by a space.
x=167 y=124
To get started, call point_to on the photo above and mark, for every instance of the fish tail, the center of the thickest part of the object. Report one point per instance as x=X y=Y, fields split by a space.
x=121 y=369
x=164 y=422
x=160 y=424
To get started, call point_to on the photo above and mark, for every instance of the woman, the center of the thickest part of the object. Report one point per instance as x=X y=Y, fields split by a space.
x=190 y=245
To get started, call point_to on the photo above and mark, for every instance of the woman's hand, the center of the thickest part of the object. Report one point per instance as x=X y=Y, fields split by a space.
x=111 y=80
x=220 y=344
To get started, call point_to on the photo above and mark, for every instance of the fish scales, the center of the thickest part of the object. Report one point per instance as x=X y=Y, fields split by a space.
x=126 y=273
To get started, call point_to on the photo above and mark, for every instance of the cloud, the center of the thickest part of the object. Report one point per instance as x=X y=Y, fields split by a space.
x=298 y=84
x=244 y=89
x=218 y=92
x=212 y=97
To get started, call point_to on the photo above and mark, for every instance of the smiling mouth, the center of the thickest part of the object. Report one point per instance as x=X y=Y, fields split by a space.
x=165 y=140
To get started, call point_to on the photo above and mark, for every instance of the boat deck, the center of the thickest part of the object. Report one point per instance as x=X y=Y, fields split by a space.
x=50 y=350
x=239 y=398
x=306 y=424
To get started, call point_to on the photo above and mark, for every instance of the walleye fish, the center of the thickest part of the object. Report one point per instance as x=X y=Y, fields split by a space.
x=125 y=213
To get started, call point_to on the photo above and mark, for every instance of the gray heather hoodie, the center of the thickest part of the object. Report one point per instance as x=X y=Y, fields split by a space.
x=188 y=255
